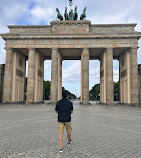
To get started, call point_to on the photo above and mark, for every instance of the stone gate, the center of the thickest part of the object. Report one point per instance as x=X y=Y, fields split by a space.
x=70 y=40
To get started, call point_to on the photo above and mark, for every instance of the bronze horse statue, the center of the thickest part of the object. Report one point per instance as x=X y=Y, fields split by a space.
x=71 y=14
x=66 y=14
x=59 y=16
x=83 y=15
x=75 y=14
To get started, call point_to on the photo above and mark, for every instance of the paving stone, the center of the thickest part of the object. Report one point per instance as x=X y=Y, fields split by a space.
x=98 y=132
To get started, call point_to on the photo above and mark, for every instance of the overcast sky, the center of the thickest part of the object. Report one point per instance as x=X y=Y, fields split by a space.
x=41 y=12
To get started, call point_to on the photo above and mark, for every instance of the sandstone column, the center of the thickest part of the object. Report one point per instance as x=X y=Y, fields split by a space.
x=18 y=90
x=54 y=76
x=109 y=76
x=1 y=89
x=124 y=77
x=85 y=76
x=39 y=77
x=103 y=77
x=81 y=83
x=134 y=76
x=7 y=88
x=139 y=72
x=1 y=81
x=140 y=81
x=31 y=76
x=59 y=76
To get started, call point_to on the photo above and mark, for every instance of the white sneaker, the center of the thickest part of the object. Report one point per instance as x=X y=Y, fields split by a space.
x=61 y=150
x=69 y=144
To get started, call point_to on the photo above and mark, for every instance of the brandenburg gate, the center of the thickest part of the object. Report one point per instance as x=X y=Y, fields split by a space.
x=70 y=40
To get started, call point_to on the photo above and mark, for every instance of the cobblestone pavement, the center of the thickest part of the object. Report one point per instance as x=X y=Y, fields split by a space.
x=30 y=131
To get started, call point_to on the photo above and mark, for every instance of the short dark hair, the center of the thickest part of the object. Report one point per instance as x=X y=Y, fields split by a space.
x=64 y=94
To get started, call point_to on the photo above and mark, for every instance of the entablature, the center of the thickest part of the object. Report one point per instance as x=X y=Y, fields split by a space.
x=69 y=28
x=64 y=36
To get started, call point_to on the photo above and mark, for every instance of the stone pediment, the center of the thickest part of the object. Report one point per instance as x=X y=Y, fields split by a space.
x=70 y=26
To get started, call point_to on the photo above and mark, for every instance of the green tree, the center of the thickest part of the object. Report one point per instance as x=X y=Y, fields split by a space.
x=116 y=91
x=70 y=95
x=94 y=93
x=46 y=93
x=47 y=90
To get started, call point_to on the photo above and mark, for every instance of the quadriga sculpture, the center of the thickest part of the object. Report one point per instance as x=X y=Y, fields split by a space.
x=66 y=14
x=75 y=14
x=59 y=16
x=83 y=15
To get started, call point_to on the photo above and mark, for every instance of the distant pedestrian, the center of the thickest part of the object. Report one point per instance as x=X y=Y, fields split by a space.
x=64 y=108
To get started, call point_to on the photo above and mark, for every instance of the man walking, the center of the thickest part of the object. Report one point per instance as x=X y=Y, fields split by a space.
x=64 y=108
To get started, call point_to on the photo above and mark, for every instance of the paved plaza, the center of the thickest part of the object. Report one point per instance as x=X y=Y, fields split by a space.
x=99 y=131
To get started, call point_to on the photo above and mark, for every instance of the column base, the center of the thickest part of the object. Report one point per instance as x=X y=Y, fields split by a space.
x=36 y=102
x=6 y=102
x=83 y=103
x=129 y=104
x=102 y=103
x=54 y=103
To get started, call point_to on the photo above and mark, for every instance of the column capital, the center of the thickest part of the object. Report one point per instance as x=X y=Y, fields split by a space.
x=107 y=48
x=7 y=49
x=83 y=49
x=55 y=49
x=135 y=47
x=31 y=49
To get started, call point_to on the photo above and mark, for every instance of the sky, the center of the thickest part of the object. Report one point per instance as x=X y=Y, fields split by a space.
x=41 y=12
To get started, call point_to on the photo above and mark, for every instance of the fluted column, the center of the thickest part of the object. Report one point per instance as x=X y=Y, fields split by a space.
x=54 y=76
x=59 y=76
x=103 y=77
x=134 y=76
x=31 y=76
x=0 y=85
x=109 y=76
x=7 y=88
x=140 y=83
x=85 y=76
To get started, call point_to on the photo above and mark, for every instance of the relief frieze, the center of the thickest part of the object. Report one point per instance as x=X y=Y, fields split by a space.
x=71 y=41
x=19 y=73
x=40 y=74
x=70 y=28
x=124 y=73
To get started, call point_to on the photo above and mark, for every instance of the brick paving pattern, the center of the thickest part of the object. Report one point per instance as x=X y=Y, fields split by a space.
x=30 y=131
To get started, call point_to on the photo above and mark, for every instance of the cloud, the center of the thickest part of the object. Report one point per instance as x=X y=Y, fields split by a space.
x=47 y=70
x=39 y=14
x=2 y=51
x=71 y=73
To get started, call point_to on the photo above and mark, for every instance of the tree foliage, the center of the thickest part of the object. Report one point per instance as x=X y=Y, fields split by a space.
x=70 y=95
x=47 y=85
x=94 y=93
x=47 y=90
x=116 y=91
